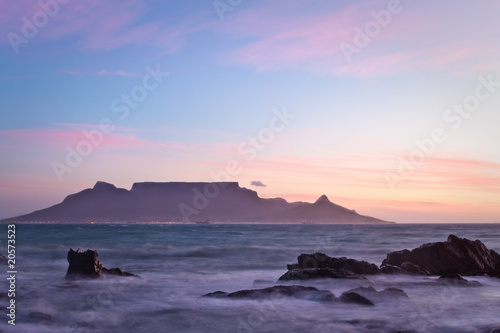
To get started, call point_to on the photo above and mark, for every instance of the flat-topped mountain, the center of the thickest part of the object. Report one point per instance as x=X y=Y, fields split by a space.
x=185 y=202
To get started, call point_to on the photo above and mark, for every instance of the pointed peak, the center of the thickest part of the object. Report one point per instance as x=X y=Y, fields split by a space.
x=100 y=186
x=322 y=199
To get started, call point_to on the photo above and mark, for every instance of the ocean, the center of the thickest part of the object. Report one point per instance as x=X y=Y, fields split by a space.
x=177 y=264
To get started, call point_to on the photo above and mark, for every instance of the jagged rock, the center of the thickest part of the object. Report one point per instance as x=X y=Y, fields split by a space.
x=390 y=269
x=321 y=260
x=301 y=292
x=87 y=265
x=320 y=265
x=352 y=297
x=456 y=255
x=318 y=273
x=84 y=264
x=116 y=271
x=218 y=294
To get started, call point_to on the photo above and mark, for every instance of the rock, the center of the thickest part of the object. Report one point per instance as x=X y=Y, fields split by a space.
x=39 y=317
x=413 y=269
x=116 y=271
x=457 y=280
x=320 y=265
x=390 y=269
x=318 y=273
x=321 y=260
x=300 y=292
x=352 y=297
x=3 y=259
x=84 y=264
x=494 y=273
x=87 y=265
x=374 y=296
x=456 y=255
x=217 y=294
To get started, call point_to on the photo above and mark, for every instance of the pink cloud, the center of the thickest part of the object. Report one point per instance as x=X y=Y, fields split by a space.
x=413 y=42
x=57 y=138
x=96 y=25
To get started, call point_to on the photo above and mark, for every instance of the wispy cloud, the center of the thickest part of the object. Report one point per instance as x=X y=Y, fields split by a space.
x=423 y=37
x=100 y=26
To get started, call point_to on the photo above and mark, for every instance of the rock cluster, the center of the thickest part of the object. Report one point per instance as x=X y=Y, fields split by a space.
x=455 y=256
x=362 y=296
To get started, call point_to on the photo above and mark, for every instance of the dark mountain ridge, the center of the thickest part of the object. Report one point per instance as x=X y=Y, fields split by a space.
x=185 y=202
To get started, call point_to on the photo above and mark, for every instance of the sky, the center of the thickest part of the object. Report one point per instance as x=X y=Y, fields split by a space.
x=387 y=107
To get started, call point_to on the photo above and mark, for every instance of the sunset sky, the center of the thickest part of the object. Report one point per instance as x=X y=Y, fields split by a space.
x=391 y=108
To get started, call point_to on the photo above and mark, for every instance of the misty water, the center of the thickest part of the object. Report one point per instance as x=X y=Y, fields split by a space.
x=177 y=264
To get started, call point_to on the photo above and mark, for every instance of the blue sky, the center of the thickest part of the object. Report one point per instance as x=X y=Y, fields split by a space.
x=365 y=82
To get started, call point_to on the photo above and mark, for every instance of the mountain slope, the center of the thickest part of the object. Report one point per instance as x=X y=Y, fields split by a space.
x=180 y=201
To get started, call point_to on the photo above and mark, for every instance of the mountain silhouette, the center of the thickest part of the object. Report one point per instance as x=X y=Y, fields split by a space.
x=188 y=202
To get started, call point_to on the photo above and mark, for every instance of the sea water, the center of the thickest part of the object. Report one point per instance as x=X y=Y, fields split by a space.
x=177 y=264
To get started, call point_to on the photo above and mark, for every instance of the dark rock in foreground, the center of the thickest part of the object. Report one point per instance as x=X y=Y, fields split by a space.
x=87 y=265
x=321 y=260
x=84 y=264
x=362 y=296
x=40 y=317
x=390 y=269
x=352 y=297
x=319 y=265
x=455 y=279
x=318 y=273
x=3 y=259
x=116 y=271
x=300 y=292
x=456 y=255
x=374 y=296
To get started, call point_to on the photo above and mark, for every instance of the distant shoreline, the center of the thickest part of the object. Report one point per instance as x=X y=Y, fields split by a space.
x=240 y=223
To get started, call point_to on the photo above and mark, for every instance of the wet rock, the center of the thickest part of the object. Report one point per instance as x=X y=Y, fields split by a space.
x=318 y=273
x=116 y=271
x=40 y=317
x=413 y=269
x=300 y=292
x=353 y=297
x=320 y=265
x=457 y=280
x=390 y=269
x=388 y=295
x=87 y=265
x=84 y=264
x=456 y=255
x=494 y=273
x=216 y=294
x=321 y=260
